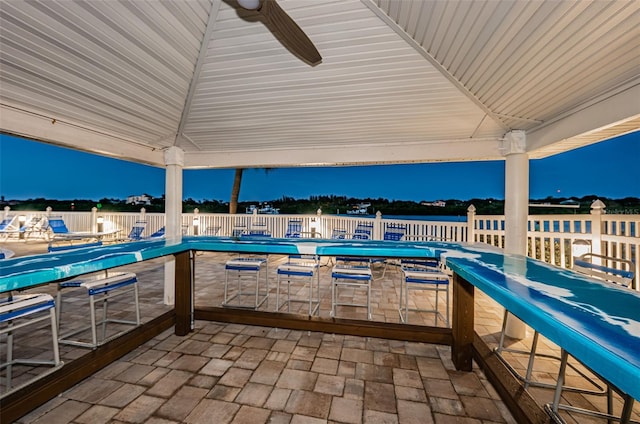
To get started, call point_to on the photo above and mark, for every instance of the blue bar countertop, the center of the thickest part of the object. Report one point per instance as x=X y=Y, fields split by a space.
x=23 y=272
x=596 y=322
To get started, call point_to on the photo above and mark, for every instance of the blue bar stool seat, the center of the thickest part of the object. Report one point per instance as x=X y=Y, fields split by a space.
x=100 y=288
x=246 y=268
x=21 y=311
x=303 y=268
x=354 y=276
x=418 y=275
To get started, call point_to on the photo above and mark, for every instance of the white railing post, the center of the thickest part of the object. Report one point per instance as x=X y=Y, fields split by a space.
x=196 y=222
x=48 y=211
x=597 y=210
x=6 y=212
x=143 y=214
x=471 y=224
x=319 y=225
x=94 y=219
x=377 y=228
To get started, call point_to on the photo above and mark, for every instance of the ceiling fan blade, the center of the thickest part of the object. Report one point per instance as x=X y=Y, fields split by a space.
x=291 y=34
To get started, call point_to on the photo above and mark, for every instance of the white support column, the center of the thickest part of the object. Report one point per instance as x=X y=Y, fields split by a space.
x=516 y=207
x=174 y=161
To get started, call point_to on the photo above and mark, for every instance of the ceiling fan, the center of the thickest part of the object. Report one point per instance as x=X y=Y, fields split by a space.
x=291 y=35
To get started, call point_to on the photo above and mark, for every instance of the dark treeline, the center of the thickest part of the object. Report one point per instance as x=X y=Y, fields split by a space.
x=336 y=204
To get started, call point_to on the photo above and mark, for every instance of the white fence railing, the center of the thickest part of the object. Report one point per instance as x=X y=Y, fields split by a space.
x=551 y=238
x=556 y=239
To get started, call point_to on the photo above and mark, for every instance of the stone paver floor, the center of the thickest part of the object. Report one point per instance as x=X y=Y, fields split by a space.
x=224 y=373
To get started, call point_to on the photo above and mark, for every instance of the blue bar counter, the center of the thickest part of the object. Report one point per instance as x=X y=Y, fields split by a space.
x=596 y=322
x=24 y=272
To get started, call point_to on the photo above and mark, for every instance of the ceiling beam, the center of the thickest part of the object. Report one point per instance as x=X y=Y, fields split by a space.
x=445 y=150
x=37 y=127
x=604 y=112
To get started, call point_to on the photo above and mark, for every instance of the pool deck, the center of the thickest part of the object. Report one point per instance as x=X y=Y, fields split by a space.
x=242 y=373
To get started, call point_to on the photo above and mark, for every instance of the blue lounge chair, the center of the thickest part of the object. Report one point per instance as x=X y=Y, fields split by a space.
x=158 y=234
x=363 y=231
x=8 y=227
x=294 y=229
x=137 y=231
x=6 y=253
x=35 y=226
x=60 y=231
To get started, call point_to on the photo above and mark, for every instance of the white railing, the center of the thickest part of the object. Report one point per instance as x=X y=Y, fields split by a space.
x=555 y=239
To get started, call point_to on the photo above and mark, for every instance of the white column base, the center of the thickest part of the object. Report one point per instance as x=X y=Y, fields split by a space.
x=515 y=328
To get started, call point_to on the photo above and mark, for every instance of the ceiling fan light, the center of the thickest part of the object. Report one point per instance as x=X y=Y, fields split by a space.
x=249 y=4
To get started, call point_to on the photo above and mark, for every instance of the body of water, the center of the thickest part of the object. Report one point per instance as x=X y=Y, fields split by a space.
x=445 y=218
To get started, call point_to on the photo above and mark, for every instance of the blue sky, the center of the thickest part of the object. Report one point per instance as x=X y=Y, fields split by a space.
x=31 y=169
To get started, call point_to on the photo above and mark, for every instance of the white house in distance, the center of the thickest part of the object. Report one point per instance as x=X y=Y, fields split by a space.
x=142 y=199
x=438 y=203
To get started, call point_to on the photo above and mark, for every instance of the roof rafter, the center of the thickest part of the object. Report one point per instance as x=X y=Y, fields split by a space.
x=211 y=23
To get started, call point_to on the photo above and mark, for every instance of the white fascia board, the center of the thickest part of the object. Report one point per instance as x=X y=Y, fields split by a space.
x=41 y=128
x=444 y=151
x=604 y=113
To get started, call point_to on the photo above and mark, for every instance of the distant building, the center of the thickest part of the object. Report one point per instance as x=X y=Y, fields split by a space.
x=143 y=199
x=438 y=203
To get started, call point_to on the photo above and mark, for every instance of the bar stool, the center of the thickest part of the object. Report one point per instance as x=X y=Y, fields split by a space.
x=20 y=311
x=605 y=268
x=246 y=268
x=301 y=268
x=100 y=288
x=422 y=275
x=353 y=275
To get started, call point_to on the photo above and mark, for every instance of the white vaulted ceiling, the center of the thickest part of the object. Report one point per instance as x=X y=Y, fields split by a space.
x=400 y=81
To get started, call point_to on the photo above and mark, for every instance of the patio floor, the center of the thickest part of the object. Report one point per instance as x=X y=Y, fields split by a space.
x=238 y=373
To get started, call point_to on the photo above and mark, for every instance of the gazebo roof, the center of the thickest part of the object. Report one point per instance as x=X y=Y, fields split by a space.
x=401 y=81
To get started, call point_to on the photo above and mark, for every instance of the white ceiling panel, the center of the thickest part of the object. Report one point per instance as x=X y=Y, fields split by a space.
x=400 y=80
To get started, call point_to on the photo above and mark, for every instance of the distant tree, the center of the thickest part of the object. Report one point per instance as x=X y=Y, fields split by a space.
x=235 y=191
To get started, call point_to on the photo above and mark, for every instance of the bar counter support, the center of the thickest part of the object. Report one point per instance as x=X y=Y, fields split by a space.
x=462 y=324
x=183 y=293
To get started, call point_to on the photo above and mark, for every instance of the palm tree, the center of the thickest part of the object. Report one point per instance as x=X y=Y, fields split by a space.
x=235 y=191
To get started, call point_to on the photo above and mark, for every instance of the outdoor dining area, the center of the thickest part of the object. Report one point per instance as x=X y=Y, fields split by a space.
x=151 y=321
x=351 y=288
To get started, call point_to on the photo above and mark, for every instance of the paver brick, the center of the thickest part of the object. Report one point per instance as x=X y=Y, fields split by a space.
x=140 y=409
x=213 y=411
x=313 y=404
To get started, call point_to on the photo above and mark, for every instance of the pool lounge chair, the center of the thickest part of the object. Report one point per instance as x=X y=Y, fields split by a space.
x=6 y=253
x=60 y=232
x=137 y=231
x=294 y=229
x=9 y=226
x=36 y=226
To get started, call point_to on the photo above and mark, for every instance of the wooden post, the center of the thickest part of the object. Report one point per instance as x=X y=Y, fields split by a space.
x=463 y=309
x=183 y=291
